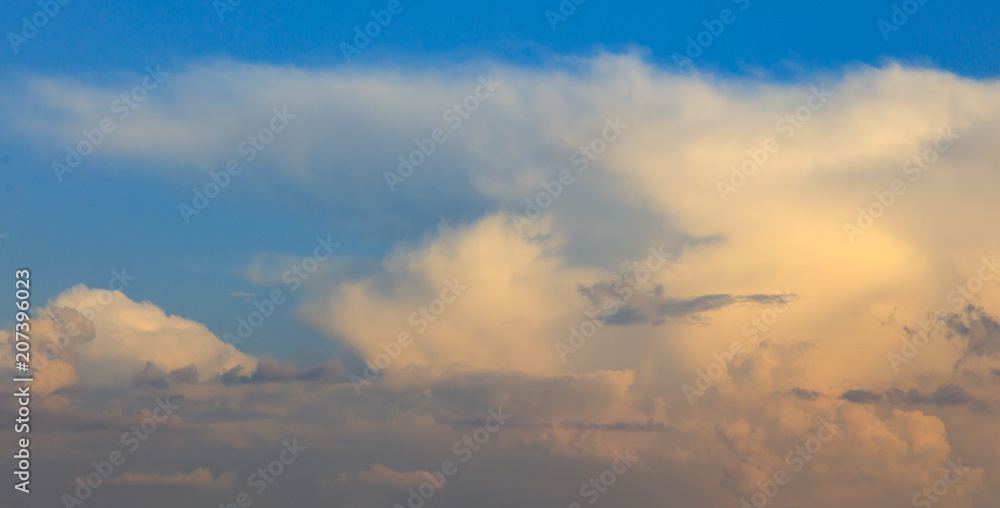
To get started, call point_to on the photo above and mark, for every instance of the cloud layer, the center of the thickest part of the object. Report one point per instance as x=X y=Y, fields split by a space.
x=692 y=292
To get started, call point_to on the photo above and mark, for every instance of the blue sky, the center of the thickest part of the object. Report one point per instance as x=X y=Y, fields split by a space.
x=190 y=269
x=777 y=37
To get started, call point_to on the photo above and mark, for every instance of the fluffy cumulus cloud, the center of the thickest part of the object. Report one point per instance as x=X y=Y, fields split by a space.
x=114 y=341
x=773 y=292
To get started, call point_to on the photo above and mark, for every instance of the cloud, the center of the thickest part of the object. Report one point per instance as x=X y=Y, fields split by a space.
x=270 y=371
x=947 y=394
x=198 y=479
x=656 y=307
x=381 y=475
x=861 y=396
x=979 y=329
x=133 y=341
x=464 y=311
x=483 y=280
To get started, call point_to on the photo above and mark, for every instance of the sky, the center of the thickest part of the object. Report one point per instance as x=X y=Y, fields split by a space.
x=734 y=252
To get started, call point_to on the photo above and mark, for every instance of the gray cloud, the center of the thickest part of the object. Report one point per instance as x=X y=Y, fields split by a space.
x=979 y=330
x=653 y=307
